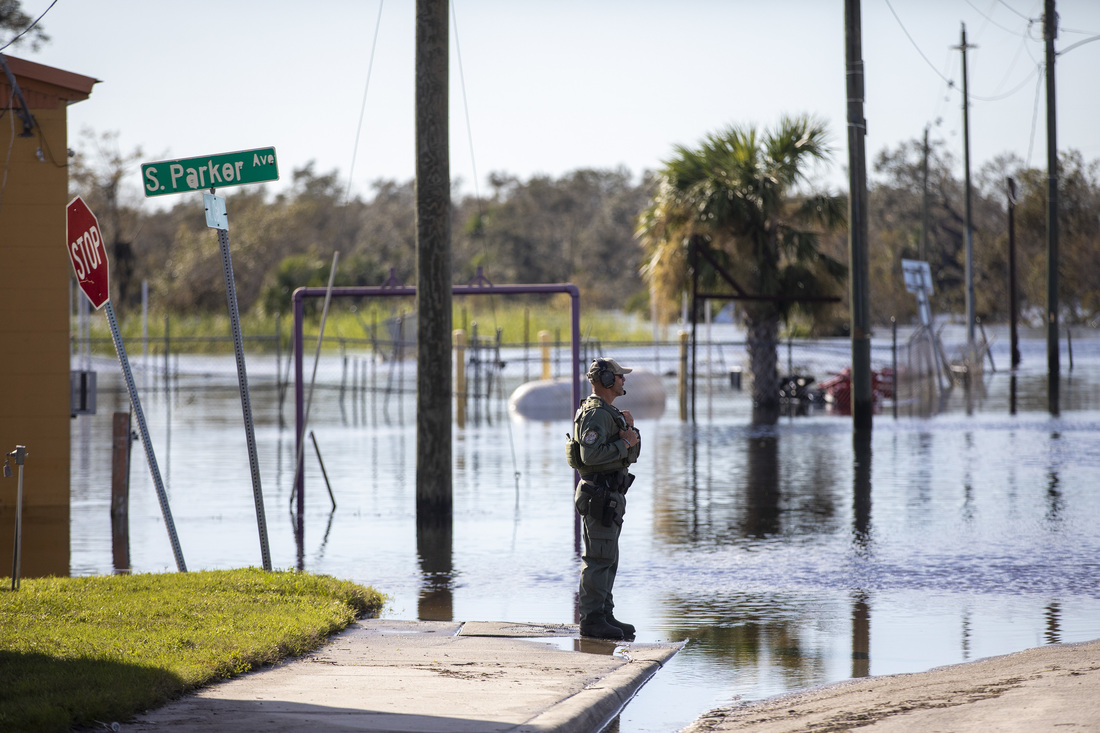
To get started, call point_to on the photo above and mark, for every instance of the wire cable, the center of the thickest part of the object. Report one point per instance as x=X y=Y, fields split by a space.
x=28 y=28
x=11 y=144
x=1014 y=10
x=363 y=106
x=1009 y=93
x=1079 y=43
x=989 y=19
x=466 y=107
x=1034 y=120
x=915 y=46
x=481 y=217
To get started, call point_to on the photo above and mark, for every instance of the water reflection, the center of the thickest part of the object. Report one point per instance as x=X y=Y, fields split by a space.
x=861 y=635
x=434 y=549
x=789 y=555
x=861 y=490
x=761 y=487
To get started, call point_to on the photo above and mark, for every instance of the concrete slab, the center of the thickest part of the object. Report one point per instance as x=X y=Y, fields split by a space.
x=1050 y=688
x=386 y=675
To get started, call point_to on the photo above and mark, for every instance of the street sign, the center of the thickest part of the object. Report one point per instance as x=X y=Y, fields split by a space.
x=918 y=280
x=917 y=275
x=209 y=171
x=87 y=253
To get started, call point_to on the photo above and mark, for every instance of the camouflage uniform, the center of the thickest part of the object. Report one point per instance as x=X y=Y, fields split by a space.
x=600 y=498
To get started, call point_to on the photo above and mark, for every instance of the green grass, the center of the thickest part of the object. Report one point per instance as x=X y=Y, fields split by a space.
x=211 y=333
x=77 y=651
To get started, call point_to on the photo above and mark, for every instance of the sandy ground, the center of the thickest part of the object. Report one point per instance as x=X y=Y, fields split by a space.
x=1050 y=688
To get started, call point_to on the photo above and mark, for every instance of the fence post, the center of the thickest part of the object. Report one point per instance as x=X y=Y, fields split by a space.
x=167 y=351
x=460 y=377
x=894 y=362
x=683 y=375
x=544 y=347
x=120 y=465
x=120 y=490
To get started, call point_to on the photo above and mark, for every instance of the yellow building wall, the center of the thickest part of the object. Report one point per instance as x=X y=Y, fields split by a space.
x=34 y=341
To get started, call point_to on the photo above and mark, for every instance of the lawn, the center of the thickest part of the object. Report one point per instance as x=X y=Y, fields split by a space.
x=82 y=651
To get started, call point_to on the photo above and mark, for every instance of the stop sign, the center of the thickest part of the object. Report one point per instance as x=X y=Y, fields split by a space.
x=86 y=250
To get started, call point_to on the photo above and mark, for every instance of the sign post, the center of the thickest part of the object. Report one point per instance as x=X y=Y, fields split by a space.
x=84 y=243
x=210 y=172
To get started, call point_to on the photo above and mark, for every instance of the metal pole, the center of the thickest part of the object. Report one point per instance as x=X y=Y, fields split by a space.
x=299 y=463
x=150 y=456
x=246 y=402
x=894 y=361
x=19 y=454
x=694 y=296
x=324 y=473
x=299 y=413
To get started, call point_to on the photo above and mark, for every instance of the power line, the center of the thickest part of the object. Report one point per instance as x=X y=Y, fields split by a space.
x=1079 y=43
x=465 y=105
x=1008 y=94
x=1013 y=10
x=363 y=106
x=28 y=28
x=1034 y=120
x=915 y=46
x=990 y=20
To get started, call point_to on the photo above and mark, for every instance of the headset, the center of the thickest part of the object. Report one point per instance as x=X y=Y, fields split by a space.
x=601 y=369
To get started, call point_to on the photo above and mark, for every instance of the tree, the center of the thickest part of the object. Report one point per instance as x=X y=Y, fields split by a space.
x=12 y=18
x=739 y=195
x=97 y=174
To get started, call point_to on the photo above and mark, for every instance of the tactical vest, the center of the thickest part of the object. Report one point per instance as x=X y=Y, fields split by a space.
x=573 y=446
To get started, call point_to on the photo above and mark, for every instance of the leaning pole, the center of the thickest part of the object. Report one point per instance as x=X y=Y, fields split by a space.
x=433 y=269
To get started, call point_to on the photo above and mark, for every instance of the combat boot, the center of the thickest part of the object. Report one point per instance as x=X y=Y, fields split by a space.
x=627 y=629
x=596 y=626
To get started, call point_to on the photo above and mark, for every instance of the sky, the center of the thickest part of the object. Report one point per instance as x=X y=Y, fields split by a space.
x=547 y=88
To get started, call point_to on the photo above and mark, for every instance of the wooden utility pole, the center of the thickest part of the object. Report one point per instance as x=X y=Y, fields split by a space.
x=1013 y=300
x=1050 y=32
x=862 y=398
x=433 y=268
x=924 y=200
x=966 y=171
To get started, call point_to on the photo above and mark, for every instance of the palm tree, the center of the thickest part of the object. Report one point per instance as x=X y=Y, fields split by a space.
x=738 y=194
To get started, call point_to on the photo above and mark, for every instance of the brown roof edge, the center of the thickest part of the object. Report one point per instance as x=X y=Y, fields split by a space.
x=64 y=84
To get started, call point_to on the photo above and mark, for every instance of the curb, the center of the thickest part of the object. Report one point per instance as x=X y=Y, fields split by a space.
x=597 y=705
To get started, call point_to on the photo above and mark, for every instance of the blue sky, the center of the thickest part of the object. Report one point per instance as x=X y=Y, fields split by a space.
x=550 y=87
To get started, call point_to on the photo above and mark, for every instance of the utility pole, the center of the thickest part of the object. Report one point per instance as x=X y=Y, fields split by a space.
x=1050 y=32
x=969 y=231
x=1013 y=304
x=859 y=295
x=433 y=270
x=923 y=257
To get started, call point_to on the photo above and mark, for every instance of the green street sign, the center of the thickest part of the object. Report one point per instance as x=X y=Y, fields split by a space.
x=209 y=171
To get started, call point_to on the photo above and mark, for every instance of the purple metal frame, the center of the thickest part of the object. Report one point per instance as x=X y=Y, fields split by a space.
x=386 y=291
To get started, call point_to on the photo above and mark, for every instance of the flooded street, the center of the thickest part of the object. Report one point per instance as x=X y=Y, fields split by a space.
x=788 y=556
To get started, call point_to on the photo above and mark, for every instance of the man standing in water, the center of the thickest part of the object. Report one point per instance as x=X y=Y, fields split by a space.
x=605 y=444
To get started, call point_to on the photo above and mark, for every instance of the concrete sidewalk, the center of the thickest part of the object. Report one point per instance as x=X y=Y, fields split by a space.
x=1048 y=688
x=385 y=675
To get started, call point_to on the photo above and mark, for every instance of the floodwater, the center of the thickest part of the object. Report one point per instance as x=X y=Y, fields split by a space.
x=787 y=556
